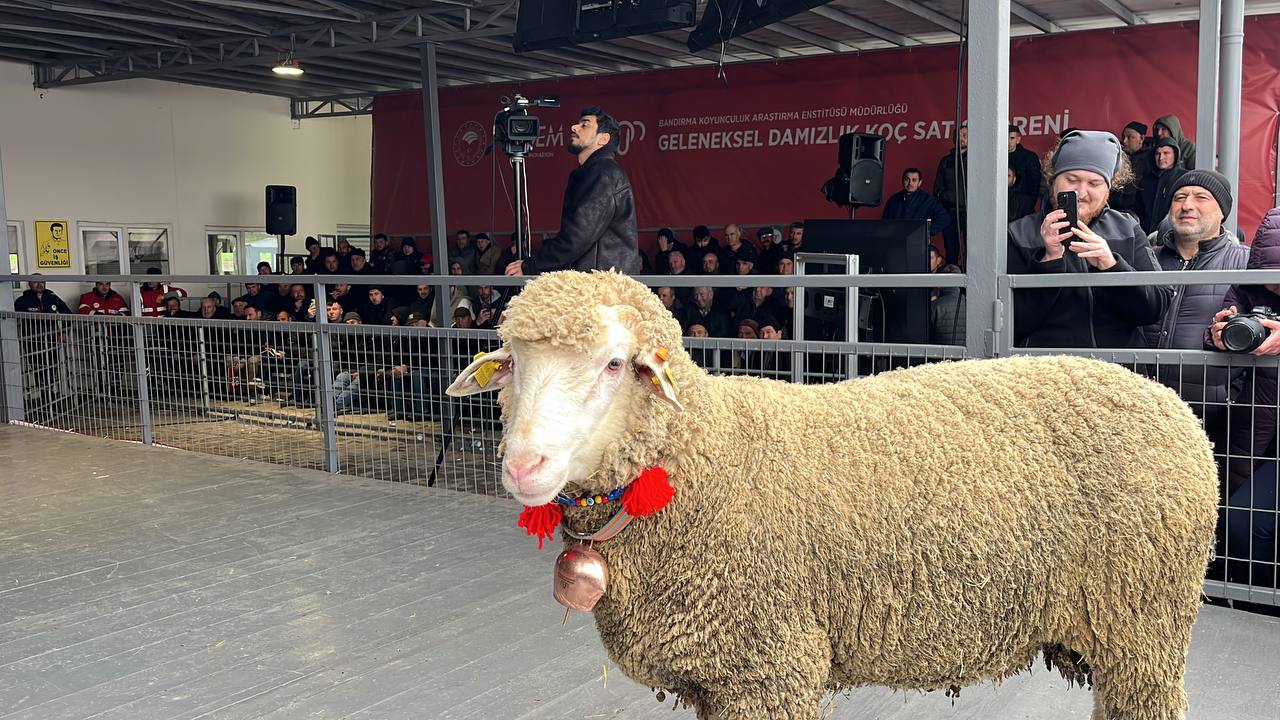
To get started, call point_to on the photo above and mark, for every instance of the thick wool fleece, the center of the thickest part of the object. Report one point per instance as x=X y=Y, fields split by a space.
x=1072 y=514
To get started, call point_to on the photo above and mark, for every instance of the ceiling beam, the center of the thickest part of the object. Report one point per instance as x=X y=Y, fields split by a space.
x=343 y=8
x=153 y=18
x=223 y=17
x=924 y=11
x=403 y=29
x=671 y=45
x=563 y=55
x=1120 y=10
x=759 y=47
x=20 y=25
x=52 y=47
x=470 y=51
x=1032 y=18
x=809 y=38
x=274 y=8
x=635 y=57
x=863 y=26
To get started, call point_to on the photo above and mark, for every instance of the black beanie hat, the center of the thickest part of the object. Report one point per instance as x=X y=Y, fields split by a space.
x=1137 y=127
x=1215 y=182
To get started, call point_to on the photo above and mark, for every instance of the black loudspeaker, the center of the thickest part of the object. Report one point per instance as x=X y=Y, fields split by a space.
x=543 y=24
x=282 y=209
x=724 y=20
x=862 y=157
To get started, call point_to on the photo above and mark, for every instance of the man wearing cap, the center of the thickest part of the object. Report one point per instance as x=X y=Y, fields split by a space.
x=1196 y=240
x=1105 y=241
x=1136 y=147
x=950 y=187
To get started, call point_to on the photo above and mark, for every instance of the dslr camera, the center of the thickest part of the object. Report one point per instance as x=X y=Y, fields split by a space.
x=1244 y=332
x=514 y=128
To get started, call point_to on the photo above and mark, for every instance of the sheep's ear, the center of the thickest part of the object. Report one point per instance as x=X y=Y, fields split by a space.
x=651 y=367
x=488 y=371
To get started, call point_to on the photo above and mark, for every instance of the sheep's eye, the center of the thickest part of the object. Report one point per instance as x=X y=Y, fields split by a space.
x=614 y=365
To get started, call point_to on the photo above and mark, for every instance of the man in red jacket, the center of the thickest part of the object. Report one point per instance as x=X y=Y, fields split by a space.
x=155 y=293
x=102 y=300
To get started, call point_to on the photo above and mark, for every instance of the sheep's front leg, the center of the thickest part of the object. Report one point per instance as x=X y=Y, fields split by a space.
x=754 y=703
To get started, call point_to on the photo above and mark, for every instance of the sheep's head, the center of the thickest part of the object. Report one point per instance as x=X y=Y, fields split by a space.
x=586 y=362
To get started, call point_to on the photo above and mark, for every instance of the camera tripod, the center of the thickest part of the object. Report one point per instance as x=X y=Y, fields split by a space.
x=522 y=245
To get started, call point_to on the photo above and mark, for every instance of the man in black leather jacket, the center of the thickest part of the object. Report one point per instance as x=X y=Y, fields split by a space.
x=598 y=221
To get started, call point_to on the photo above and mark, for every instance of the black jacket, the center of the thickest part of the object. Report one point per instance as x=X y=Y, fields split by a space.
x=48 y=302
x=1029 y=175
x=1190 y=309
x=597 y=222
x=1103 y=317
x=944 y=182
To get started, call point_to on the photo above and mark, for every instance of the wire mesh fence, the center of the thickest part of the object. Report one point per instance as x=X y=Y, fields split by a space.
x=368 y=400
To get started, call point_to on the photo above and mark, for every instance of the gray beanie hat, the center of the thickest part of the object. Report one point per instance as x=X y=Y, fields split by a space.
x=1097 y=151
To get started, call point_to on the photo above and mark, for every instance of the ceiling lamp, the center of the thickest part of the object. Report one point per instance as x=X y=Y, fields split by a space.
x=288 y=67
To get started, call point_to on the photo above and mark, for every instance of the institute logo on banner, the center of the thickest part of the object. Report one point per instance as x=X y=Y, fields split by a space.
x=631 y=131
x=469 y=143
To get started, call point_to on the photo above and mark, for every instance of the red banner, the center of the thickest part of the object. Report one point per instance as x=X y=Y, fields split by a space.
x=755 y=144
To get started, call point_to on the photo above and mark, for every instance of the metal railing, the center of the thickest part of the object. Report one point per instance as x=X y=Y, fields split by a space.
x=368 y=400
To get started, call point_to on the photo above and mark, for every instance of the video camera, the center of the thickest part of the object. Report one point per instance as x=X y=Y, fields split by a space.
x=514 y=128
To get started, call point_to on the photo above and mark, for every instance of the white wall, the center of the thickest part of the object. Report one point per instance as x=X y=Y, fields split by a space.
x=146 y=151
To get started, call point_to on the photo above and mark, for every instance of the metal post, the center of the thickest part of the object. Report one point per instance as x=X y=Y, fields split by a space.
x=1231 y=52
x=1207 y=86
x=988 y=218
x=435 y=176
x=140 y=364
x=10 y=355
x=326 y=415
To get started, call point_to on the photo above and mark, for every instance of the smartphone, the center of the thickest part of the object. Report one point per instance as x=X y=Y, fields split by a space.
x=1070 y=202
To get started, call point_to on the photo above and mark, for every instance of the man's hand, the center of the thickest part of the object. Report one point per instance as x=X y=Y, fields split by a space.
x=515 y=267
x=1052 y=235
x=399 y=370
x=1092 y=247
x=484 y=316
x=1270 y=346
x=1219 y=322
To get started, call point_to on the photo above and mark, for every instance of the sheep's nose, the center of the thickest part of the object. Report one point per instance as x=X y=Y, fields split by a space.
x=523 y=468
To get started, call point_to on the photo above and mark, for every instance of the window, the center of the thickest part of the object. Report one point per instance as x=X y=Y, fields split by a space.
x=124 y=250
x=224 y=248
x=101 y=250
x=237 y=251
x=357 y=235
x=148 y=248
x=15 y=247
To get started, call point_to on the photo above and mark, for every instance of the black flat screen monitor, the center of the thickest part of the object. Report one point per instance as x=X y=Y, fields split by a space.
x=883 y=247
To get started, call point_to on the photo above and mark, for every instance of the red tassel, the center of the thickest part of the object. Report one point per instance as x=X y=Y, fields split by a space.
x=648 y=493
x=541 y=520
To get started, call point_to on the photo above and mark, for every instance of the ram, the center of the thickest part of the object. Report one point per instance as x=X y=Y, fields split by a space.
x=928 y=528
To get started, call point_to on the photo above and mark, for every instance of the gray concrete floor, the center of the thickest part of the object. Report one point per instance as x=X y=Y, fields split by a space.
x=149 y=583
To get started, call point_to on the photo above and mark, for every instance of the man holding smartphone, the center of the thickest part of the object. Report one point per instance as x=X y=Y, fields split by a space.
x=1083 y=170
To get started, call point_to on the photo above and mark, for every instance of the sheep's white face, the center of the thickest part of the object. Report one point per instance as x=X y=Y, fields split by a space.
x=564 y=408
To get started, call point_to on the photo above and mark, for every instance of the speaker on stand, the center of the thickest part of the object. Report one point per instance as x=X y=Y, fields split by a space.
x=859 y=180
x=282 y=214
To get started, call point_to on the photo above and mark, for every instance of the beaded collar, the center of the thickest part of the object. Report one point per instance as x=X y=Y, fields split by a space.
x=586 y=500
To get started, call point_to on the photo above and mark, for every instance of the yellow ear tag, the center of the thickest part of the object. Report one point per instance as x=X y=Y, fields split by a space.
x=671 y=378
x=484 y=373
x=662 y=354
